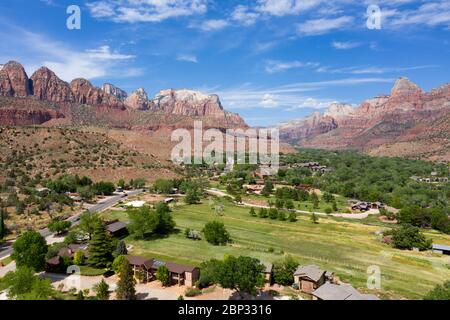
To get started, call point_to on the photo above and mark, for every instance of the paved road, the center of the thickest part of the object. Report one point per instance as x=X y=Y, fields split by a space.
x=99 y=207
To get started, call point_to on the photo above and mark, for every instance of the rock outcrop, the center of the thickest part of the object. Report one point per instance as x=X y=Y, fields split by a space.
x=85 y=93
x=14 y=81
x=47 y=86
x=22 y=117
x=406 y=115
x=114 y=91
x=138 y=100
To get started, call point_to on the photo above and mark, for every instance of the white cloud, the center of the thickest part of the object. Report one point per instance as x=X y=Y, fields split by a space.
x=286 y=7
x=243 y=15
x=288 y=97
x=323 y=25
x=274 y=66
x=213 y=25
x=345 y=45
x=187 y=58
x=361 y=70
x=430 y=14
x=35 y=50
x=133 y=11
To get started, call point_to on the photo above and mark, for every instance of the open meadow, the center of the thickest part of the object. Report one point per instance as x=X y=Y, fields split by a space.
x=347 y=248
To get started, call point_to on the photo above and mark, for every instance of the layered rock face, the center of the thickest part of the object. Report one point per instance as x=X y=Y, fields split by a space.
x=14 y=117
x=407 y=114
x=14 y=81
x=114 y=91
x=111 y=105
x=187 y=103
x=85 y=93
x=47 y=86
x=138 y=100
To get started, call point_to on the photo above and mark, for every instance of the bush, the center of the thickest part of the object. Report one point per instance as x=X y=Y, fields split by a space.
x=440 y=292
x=192 y=292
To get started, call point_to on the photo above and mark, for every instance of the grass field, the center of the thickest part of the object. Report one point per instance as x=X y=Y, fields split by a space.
x=345 y=247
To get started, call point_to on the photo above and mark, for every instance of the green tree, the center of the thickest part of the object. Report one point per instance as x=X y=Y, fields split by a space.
x=216 y=234
x=30 y=250
x=283 y=271
x=162 y=274
x=2 y=222
x=440 y=292
x=263 y=213
x=78 y=258
x=102 y=290
x=192 y=196
x=126 y=285
x=314 y=218
x=121 y=184
x=117 y=263
x=289 y=205
x=268 y=188
x=121 y=249
x=292 y=217
x=163 y=186
x=80 y=295
x=243 y=274
x=58 y=226
x=279 y=203
x=273 y=213
x=100 y=249
x=88 y=223
x=409 y=237
x=315 y=200
x=252 y=212
x=23 y=284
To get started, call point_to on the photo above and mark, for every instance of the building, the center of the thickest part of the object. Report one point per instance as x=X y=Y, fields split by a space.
x=309 y=278
x=267 y=272
x=441 y=249
x=331 y=291
x=117 y=229
x=366 y=206
x=146 y=269
x=254 y=188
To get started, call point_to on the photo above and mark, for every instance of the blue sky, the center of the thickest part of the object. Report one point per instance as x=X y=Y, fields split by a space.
x=269 y=60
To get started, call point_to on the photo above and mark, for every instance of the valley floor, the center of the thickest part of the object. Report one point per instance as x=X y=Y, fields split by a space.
x=343 y=246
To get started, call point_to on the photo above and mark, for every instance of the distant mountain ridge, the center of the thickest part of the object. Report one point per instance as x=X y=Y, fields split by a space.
x=408 y=122
x=109 y=105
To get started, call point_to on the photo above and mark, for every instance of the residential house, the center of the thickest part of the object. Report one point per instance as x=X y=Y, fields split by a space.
x=146 y=269
x=117 y=229
x=254 y=188
x=441 y=249
x=331 y=291
x=308 y=278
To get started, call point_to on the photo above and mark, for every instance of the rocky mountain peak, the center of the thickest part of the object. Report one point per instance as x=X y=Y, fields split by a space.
x=138 y=100
x=47 y=86
x=404 y=86
x=120 y=94
x=14 y=80
x=337 y=110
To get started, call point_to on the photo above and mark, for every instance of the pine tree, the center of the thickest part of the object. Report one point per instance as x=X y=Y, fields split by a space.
x=126 y=285
x=100 y=251
x=102 y=290
x=121 y=249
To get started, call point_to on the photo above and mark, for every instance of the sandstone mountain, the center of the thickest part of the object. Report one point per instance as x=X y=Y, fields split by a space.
x=409 y=122
x=114 y=91
x=81 y=103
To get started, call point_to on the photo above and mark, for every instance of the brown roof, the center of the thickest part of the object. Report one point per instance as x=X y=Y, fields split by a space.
x=179 y=268
x=140 y=261
x=53 y=261
x=312 y=272
x=116 y=226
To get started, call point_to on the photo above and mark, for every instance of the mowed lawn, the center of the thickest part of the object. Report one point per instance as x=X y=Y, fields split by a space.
x=345 y=247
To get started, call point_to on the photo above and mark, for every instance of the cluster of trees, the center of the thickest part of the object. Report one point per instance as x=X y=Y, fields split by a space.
x=83 y=186
x=138 y=183
x=373 y=179
x=436 y=218
x=274 y=214
x=440 y=292
x=243 y=274
x=146 y=222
